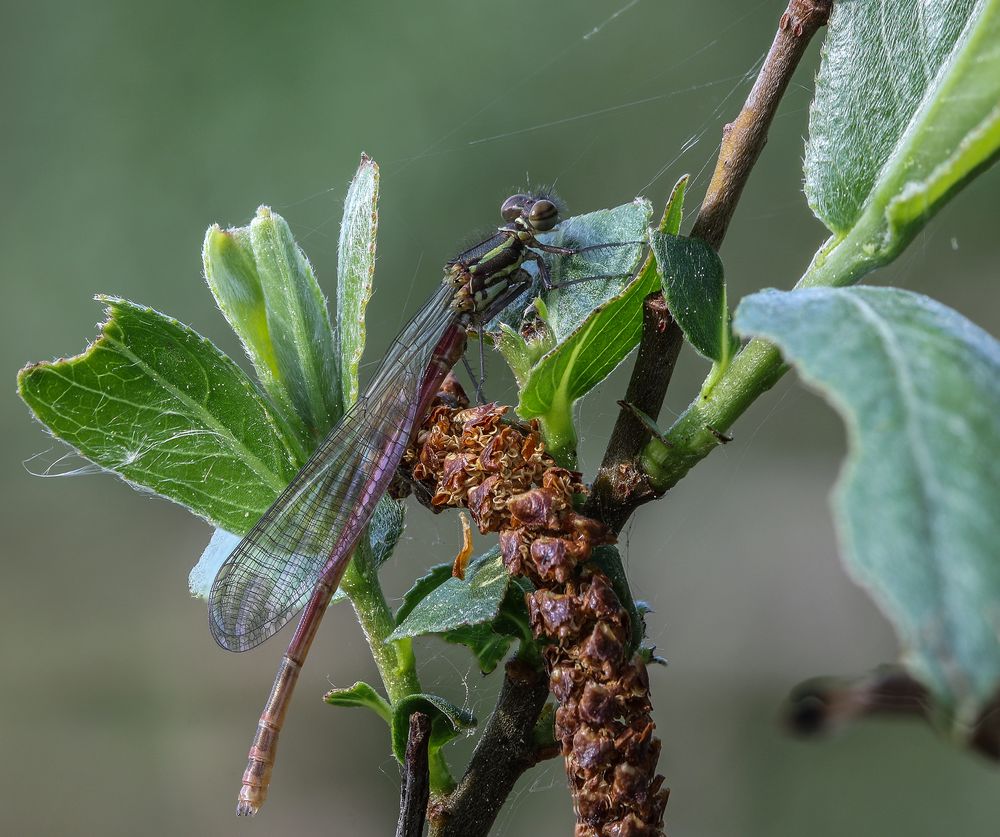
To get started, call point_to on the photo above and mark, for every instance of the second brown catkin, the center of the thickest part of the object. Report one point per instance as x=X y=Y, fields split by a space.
x=500 y=471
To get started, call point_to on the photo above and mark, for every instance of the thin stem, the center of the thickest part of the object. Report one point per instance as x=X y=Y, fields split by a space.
x=744 y=138
x=416 y=790
x=756 y=369
x=559 y=432
x=395 y=660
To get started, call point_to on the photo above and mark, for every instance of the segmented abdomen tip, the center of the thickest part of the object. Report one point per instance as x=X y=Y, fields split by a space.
x=245 y=809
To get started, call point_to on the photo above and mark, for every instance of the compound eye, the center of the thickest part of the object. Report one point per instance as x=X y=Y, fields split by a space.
x=511 y=209
x=543 y=215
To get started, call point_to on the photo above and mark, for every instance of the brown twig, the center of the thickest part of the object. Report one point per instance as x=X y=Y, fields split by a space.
x=744 y=138
x=416 y=787
x=618 y=484
x=622 y=487
x=822 y=705
x=507 y=748
x=818 y=706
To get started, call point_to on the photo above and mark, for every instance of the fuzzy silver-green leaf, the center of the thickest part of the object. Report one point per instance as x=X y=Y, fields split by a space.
x=356 y=271
x=918 y=386
x=907 y=110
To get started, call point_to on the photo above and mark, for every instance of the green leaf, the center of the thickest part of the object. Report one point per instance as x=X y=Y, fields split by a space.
x=673 y=213
x=488 y=641
x=203 y=574
x=361 y=694
x=570 y=308
x=447 y=722
x=907 y=110
x=161 y=406
x=231 y=273
x=355 y=271
x=587 y=329
x=916 y=504
x=487 y=645
x=434 y=608
x=695 y=291
x=299 y=322
x=266 y=289
x=543 y=736
x=520 y=351
x=421 y=589
x=594 y=324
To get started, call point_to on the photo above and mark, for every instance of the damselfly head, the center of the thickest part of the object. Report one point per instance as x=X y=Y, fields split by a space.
x=538 y=213
x=512 y=208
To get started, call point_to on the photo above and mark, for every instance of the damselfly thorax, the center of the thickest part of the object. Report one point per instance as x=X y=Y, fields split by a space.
x=487 y=276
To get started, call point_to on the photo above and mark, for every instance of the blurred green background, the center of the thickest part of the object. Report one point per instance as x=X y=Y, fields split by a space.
x=128 y=128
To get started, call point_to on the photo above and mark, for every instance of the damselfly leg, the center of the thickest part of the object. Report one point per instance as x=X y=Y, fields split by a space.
x=545 y=274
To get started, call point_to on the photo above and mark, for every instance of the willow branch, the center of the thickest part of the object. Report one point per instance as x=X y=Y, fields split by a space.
x=744 y=138
x=617 y=488
x=623 y=487
x=507 y=748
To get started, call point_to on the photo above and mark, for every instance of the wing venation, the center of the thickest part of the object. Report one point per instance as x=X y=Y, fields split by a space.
x=311 y=529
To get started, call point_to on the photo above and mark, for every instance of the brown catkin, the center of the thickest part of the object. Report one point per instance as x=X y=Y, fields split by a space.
x=500 y=471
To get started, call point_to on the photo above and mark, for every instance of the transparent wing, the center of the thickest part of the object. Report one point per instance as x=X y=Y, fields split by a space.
x=477 y=251
x=312 y=528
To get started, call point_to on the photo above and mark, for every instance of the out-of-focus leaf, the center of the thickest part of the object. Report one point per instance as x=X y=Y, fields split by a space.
x=907 y=110
x=355 y=271
x=202 y=574
x=161 y=406
x=361 y=694
x=916 y=504
x=265 y=287
x=695 y=291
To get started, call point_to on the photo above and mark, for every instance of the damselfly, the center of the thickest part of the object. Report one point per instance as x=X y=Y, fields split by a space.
x=296 y=554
